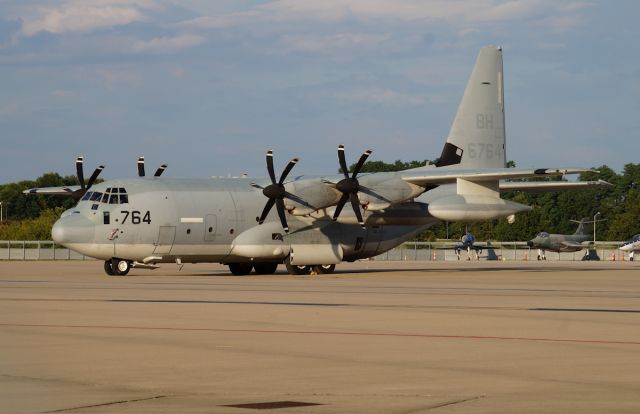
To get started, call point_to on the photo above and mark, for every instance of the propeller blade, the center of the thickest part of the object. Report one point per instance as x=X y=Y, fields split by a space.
x=355 y=203
x=267 y=208
x=160 y=170
x=140 y=166
x=287 y=170
x=254 y=185
x=342 y=160
x=361 y=162
x=341 y=203
x=94 y=176
x=272 y=173
x=283 y=218
x=80 y=171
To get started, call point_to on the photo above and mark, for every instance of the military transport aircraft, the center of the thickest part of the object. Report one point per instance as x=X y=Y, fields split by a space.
x=562 y=242
x=140 y=222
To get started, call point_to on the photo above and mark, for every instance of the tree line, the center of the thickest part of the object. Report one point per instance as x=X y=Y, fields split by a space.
x=31 y=217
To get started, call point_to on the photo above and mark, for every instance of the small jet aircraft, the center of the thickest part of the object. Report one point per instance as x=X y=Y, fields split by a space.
x=562 y=242
x=632 y=245
x=140 y=222
x=468 y=243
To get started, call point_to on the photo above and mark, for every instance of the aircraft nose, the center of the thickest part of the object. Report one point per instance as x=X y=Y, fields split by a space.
x=74 y=228
x=530 y=243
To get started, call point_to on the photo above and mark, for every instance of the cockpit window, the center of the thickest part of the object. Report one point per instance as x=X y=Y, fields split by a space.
x=543 y=234
x=112 y=195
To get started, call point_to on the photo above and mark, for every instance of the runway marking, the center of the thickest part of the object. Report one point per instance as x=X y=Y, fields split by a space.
x=455 y=402
x=105 y=404
x=349 y=333
x=586 y=310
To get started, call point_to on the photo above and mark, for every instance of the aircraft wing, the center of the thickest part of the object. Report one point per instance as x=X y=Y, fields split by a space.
x=540 y=186
x=572 y=244
x=63 y=191
x=433 y=176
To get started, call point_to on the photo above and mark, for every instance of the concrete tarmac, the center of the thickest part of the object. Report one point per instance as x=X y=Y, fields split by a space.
x=375 y=337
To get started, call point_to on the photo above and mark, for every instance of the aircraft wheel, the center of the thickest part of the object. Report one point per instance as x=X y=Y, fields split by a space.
x=240 y=269
x=324 y=269
x=107 y=268
x=297 y=270
x=265 y=268
x=120 y=267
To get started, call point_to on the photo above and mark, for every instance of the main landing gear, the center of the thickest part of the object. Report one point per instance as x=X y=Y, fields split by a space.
x=309 y=269
x=117 y=267
x=242 y=269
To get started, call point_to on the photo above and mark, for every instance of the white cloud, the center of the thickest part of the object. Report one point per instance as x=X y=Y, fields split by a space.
x=82 y=16
x=331 y=11
x=167 y=44
x=327 y=43
x=63 y=93
x=379 y=96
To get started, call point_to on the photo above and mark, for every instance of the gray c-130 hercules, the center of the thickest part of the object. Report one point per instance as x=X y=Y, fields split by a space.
x=140 y=222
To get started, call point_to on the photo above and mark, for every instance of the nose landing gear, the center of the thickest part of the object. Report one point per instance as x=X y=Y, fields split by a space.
x=117 y=267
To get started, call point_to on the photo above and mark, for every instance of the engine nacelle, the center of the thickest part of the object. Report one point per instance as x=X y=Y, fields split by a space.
x=310 y=196
x=377 y=192
x=473 y=208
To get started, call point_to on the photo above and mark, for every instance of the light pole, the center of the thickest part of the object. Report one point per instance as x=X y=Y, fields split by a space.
x=594 y=228
x=0 y=211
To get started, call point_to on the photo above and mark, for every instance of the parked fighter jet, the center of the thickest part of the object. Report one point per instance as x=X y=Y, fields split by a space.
x=141 y=222
x=632 y=245
x=561 y=242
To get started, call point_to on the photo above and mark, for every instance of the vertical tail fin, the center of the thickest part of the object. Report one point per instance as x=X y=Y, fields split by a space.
x=581 y=230
x=477 y=136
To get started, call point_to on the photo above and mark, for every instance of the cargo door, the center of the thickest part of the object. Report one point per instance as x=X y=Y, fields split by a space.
x=374 y=235
x=166 y=235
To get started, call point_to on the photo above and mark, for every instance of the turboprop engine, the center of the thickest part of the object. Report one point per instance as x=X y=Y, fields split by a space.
x=469 y=201
x=308 y=196
x=380 y=192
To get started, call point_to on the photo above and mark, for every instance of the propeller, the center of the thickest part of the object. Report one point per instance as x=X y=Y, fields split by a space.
x=275 y=191
x=141 y=173
x=80 y=173
x=349 y=186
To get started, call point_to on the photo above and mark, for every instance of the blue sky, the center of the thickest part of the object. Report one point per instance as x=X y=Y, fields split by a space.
x=209 y=86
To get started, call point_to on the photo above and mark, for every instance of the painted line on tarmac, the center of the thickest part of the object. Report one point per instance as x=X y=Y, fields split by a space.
x=347 y=333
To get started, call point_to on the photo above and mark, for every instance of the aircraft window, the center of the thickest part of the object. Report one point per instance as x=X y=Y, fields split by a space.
x=96 y=196
x=108 y=190
x=636 y=238
x=105 y=198
x=87 y=195
x=122 y=190
x=124 y=199
x=543 y=234
x=113 y=199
